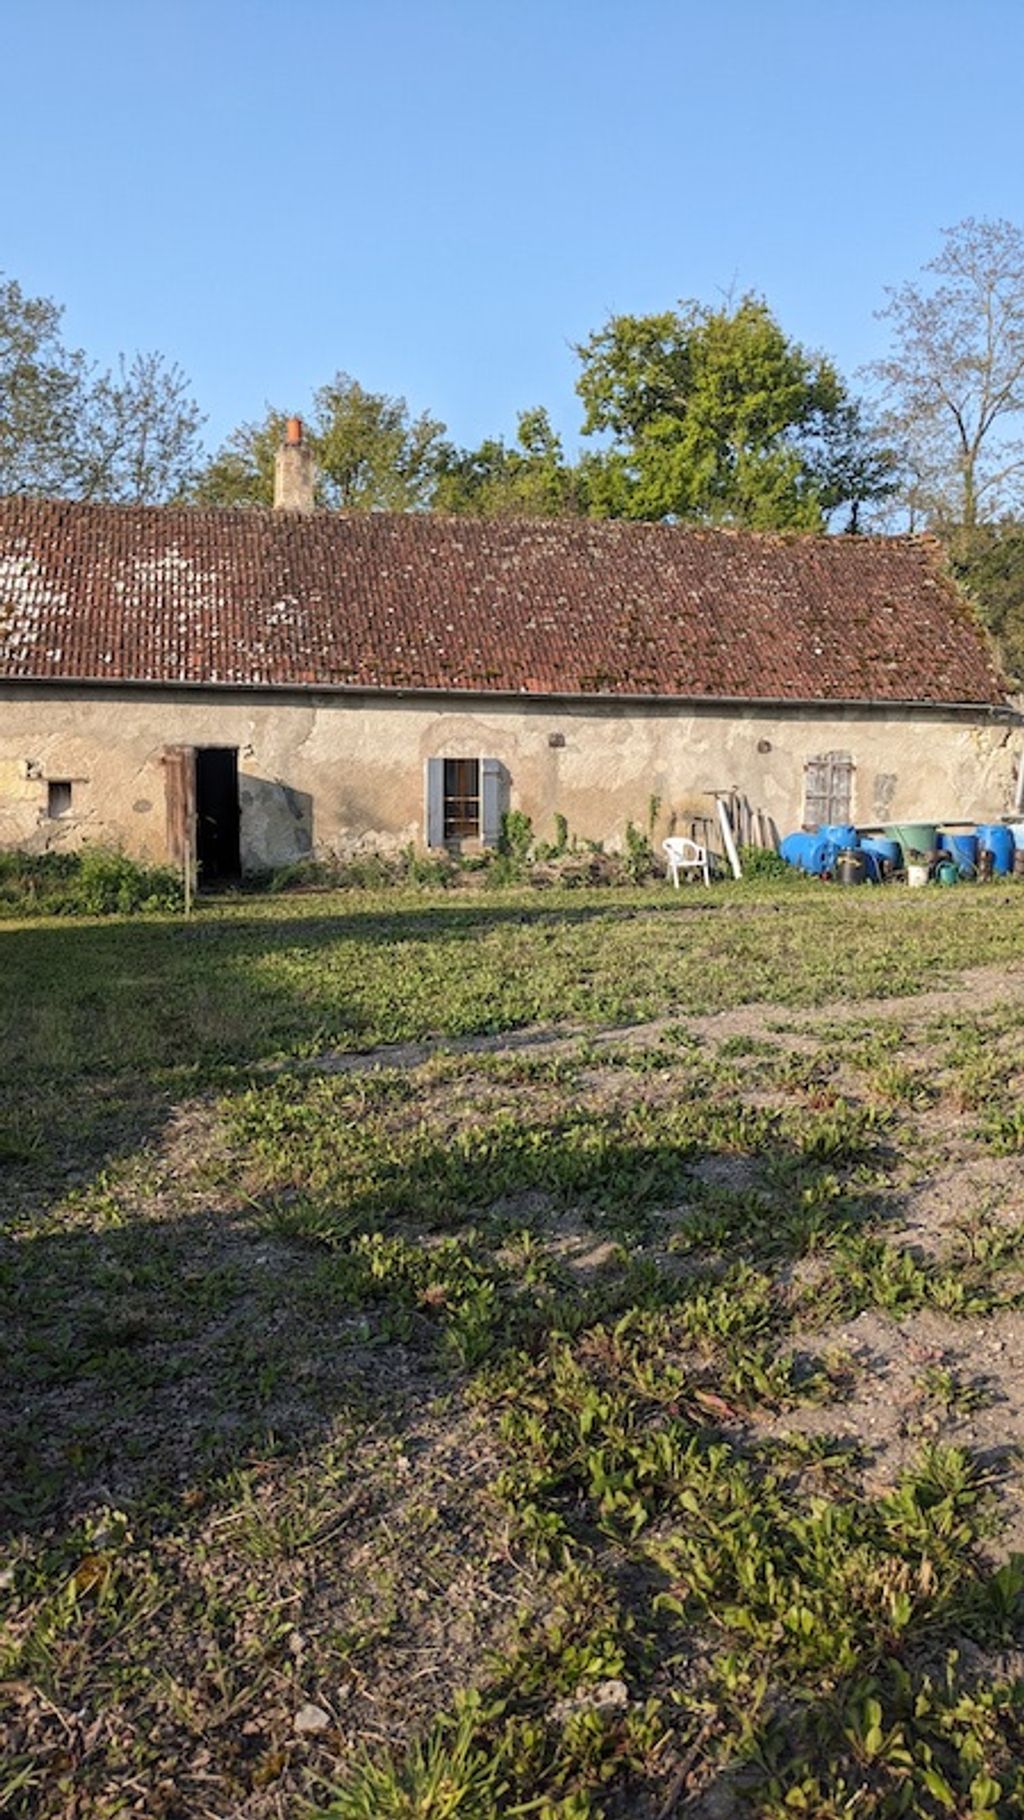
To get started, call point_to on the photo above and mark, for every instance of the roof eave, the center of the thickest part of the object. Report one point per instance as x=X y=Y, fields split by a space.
x=1001 y=708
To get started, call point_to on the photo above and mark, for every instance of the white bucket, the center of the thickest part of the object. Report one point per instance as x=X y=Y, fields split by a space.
x=1017 y=830
x=917 y=875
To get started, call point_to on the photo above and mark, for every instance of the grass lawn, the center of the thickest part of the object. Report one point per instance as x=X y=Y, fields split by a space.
x=558 y=1354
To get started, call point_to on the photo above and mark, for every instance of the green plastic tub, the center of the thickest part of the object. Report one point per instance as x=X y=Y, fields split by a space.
x=914 y=838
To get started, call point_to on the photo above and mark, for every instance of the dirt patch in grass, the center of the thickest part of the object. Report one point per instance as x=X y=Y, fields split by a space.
x=925 y=1379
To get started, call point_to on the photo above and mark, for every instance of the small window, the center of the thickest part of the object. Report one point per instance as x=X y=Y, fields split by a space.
x=58 y=798
x=461 y=798
x=828 y=789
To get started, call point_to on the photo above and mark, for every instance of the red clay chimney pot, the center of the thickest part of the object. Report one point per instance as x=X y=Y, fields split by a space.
x=293 y=433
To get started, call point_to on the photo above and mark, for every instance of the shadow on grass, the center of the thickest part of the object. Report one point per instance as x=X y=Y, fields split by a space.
x=148 y=1361
x=105 y=1026
x=146 y=1348
x=144 y=1357
x=87 y=996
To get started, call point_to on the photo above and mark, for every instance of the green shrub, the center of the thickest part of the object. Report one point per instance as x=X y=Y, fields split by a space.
x=508 y=864
x=371 y=871
x=109 y=884
x=516 y=837
x=426 y=868
x=26 y=878
x=98 y=881
x=761 y=862
x=638 y=860
x=299 y=875
x=544 y=851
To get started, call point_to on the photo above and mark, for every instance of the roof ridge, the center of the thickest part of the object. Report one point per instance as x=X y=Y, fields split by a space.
x=465 y=521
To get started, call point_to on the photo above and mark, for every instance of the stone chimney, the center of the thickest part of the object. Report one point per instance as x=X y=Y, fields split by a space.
x=294 y=472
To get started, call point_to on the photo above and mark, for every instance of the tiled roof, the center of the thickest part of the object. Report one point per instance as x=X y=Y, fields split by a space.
x=161 y=595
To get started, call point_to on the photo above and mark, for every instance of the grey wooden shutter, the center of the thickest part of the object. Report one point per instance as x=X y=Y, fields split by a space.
x=828 y=788
x=815 y=792
x=840 y=786
x=433 y=801
x=491 y=779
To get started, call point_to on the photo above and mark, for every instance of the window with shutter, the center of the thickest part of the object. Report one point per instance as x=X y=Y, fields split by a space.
x=464 y=800
x=461 y=798
x=828 y=788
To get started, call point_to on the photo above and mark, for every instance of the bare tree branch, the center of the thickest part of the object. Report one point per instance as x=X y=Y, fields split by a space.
x=955 y=377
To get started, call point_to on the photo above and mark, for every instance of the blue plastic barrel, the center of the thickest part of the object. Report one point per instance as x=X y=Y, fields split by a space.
x=996 y=839
x=808 y=852
x=841 y=835
x=887 y=852
x=963 y=849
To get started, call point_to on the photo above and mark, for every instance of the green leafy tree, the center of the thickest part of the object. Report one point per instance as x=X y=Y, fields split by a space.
x=532 y=479
x=67 y=430
x=139 y=434
x=953 y=384
x=473 y=481
x=371 y=454
x=42 y=383
x=989 y=561
x=242 y=471
x=858 y=468
x=713 y=415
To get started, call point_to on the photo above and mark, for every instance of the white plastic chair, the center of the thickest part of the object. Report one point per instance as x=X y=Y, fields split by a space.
x=685 y=855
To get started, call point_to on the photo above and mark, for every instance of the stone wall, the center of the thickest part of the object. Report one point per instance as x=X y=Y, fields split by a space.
x=324 y=773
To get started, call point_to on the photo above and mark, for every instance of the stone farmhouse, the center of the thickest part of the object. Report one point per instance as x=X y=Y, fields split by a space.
x=273 y=685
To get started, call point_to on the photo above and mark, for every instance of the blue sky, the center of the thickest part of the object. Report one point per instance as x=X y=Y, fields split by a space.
x=441 y=196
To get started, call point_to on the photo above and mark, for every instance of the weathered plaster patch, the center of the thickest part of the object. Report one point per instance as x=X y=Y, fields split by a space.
x=885 y=790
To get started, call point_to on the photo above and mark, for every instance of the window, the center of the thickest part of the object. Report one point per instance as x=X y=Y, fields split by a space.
x=461 y=798
x=464 y=800
x=58 y=798
x=828 y=789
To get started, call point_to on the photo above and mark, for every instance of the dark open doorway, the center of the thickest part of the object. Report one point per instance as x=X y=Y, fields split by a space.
x=217 y=814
